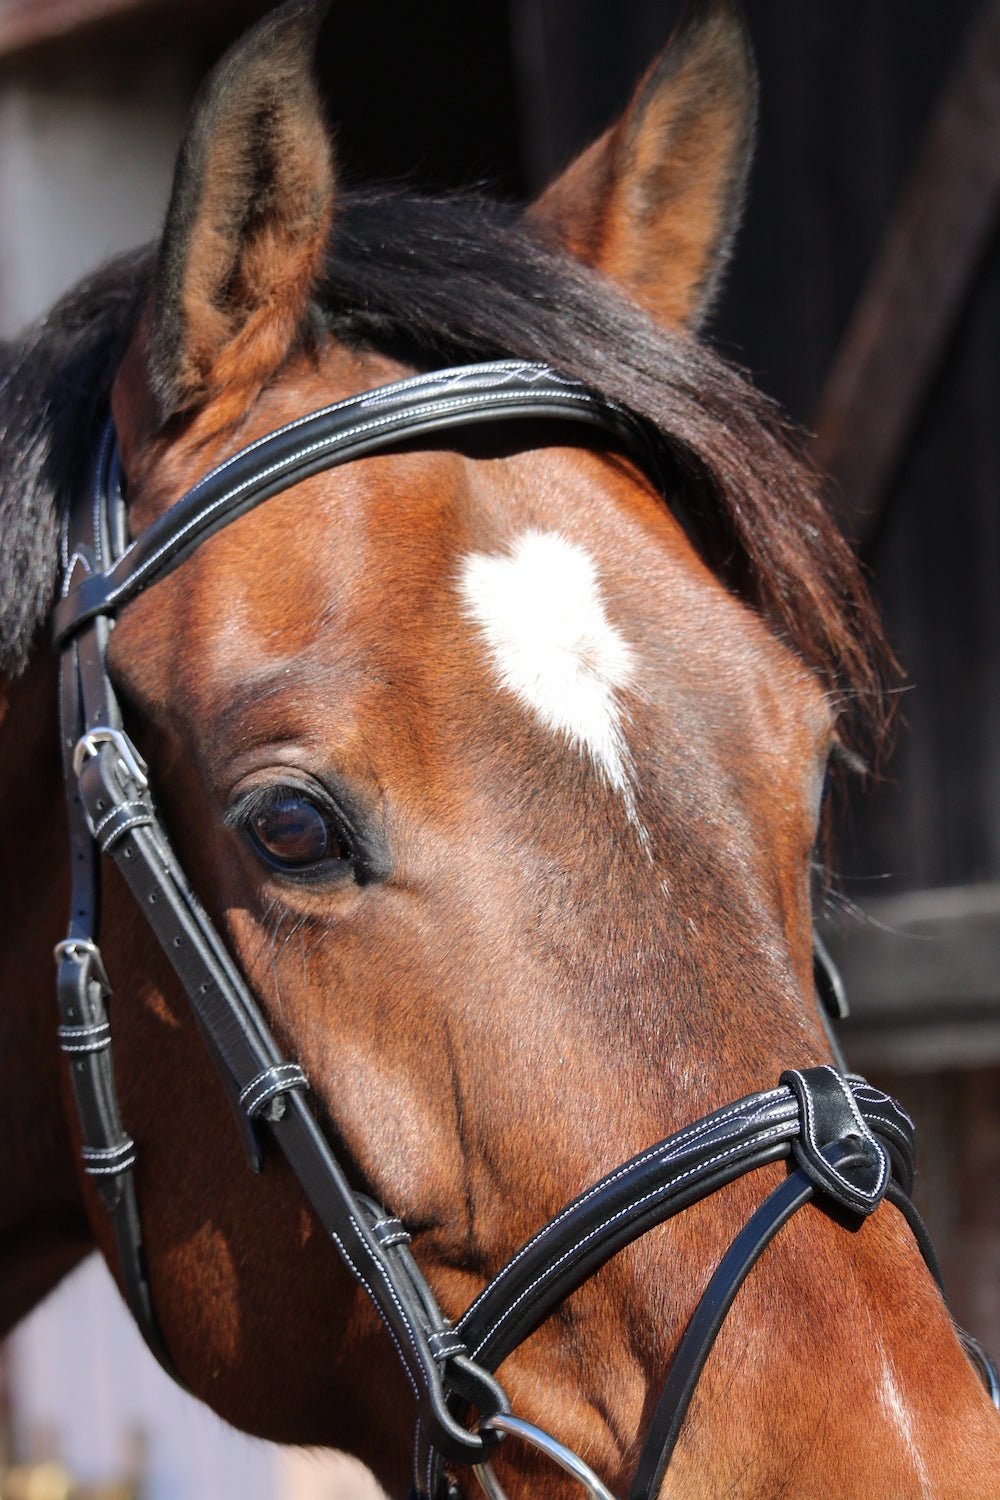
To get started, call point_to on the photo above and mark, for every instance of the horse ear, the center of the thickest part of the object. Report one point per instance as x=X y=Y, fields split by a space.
x=655 y=202
x=247 y=225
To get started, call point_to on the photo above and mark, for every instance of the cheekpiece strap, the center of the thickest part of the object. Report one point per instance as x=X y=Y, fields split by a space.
x=113 y=812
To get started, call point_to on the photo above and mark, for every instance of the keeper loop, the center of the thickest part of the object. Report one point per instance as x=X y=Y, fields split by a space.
x=263 y=1096
x=108 y=1161
x=390 y=1231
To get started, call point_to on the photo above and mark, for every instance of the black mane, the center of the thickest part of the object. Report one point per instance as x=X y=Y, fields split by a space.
x=451 y=281
x=54 y=388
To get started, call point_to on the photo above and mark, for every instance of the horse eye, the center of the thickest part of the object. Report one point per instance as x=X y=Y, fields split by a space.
x=293 y=833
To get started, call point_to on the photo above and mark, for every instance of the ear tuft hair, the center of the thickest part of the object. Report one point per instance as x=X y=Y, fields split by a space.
x=248 y=221
x=655 y=202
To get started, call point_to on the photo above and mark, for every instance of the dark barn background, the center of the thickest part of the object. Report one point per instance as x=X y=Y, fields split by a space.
x=501 y=94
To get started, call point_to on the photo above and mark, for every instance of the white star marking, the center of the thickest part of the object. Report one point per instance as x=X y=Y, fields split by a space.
x=540 y=610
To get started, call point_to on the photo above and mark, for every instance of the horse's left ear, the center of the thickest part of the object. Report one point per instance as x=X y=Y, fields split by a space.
x=654 y=203
x=246 y=229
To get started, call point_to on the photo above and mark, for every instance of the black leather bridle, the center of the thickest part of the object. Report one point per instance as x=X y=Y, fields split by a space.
x=851 y=1144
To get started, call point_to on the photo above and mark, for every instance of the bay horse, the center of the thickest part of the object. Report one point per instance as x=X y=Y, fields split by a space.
x=494 y=746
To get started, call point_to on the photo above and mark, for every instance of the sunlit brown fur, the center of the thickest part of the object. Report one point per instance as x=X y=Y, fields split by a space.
x=671 y=171
x=247 y=225
x=530 y=993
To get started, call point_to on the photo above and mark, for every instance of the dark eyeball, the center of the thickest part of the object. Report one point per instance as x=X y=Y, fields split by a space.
x=292 y=832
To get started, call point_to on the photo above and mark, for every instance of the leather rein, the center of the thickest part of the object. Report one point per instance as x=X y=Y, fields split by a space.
x=850 y=1144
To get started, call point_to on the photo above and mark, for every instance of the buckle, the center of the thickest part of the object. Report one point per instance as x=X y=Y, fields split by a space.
x=129 y=759
x=507 y=1425
x=85 y=952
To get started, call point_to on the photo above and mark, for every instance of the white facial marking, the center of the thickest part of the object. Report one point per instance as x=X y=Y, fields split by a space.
x=895 y=1408
x=553 y=646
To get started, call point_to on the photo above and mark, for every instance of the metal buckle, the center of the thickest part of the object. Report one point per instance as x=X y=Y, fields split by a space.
x=77 y=950
x=510 y=1426
x=131 y=761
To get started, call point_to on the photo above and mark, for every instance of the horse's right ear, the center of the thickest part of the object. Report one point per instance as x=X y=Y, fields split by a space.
x=245 y=236
x=655 y=201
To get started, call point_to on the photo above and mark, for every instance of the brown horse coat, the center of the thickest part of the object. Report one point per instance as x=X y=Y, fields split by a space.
x=569 y=758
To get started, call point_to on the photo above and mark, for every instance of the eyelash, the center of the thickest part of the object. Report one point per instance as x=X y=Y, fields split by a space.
x=257 y=802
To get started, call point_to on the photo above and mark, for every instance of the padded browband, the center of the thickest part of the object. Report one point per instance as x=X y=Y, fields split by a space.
x=361 y=425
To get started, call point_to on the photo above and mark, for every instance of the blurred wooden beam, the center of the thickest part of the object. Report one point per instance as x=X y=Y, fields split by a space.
x=26 y=23
x=38 y=28
x=922 y=973
x=915 y=291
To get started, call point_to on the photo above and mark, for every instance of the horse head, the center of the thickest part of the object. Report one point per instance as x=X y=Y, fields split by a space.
x=497 y=760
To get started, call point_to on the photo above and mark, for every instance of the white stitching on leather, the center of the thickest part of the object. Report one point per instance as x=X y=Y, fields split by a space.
x=118 y=833
x=878 y=1097
x=407 y=1321
x=118 y=808
x=416 y=1458
x=893 y=1127
x=378 y=1307
x=665 y=1149
x=97 y=1044
x=443 y=1345
x=97 y=498
x=498 y=373
x=276 y=1079
x=107 y=1161
x=851 y=1188
x=432 y=408
x=776 y=1132
x=77 y=557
